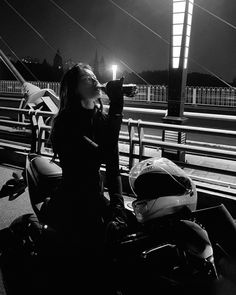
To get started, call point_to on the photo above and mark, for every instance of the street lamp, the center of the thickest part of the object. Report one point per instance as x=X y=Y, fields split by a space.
x=182 y=11
x=114 y=71
x=181 y=31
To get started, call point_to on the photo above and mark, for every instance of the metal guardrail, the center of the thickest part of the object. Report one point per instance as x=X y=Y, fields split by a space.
x=37 y=113
x=130 y=109
x=134 y=138
x=208 y=96
x=142 y=140
x=149 y=111
x=136 y=142
x=16 y=87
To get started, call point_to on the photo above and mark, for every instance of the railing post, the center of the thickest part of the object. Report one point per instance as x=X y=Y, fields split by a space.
x=234 y=97
x=35 y=133
x=140 y=137
x=228 y=97
x=21 y=117
x=164 y=93
x=148 y=93
x=41 y=135
x=194 y=96
x=131 y=142
x=174 y=137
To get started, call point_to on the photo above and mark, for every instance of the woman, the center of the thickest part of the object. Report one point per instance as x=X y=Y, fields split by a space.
x=84 y=137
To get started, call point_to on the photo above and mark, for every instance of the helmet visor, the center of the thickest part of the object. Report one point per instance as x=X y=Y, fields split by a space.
x=155 y=184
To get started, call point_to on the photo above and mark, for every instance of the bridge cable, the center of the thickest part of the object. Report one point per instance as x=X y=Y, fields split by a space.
x=140 y=22
x=156 y=34
x=27 y=69
x=214 y=15
x=218 y=77
x=53 y=49
x=37 y=32
x=97 y=40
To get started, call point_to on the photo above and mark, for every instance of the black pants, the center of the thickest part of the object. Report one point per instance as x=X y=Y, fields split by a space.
x=79 y=246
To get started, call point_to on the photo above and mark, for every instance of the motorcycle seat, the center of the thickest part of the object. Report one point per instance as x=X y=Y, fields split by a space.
x=47 y=174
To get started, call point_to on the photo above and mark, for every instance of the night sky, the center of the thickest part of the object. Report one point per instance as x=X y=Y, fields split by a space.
x=213 y=43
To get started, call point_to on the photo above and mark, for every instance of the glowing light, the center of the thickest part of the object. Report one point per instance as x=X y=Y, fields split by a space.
x=186 y=52
x=178 y=18
x=177 y=40
x=181 y=30
x=185 y=63
x=178 y=29
x=176 y=51
x=188 y=32
x=179 y=6
x=190 y=8
x=187 y=41
x=114 y=71
x=189 y=22
x=175 y=63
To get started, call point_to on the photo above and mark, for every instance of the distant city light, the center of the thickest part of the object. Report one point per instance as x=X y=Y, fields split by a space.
x=181 y=31
x=114 y=71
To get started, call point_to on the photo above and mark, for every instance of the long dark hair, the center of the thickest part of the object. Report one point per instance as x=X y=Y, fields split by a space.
x=69 y=97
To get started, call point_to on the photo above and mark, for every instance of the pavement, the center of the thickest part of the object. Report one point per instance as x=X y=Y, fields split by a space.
x=220 y=178
x=9 y=210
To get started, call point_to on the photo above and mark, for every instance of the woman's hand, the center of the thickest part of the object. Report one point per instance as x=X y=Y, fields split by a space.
x=114 y=91
x=117 y=226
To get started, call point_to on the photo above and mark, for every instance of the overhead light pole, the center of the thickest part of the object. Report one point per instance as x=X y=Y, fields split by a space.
x=182 y=11
x=114 y=72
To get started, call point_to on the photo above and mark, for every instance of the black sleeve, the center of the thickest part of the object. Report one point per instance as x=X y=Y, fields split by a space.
x=113 y=177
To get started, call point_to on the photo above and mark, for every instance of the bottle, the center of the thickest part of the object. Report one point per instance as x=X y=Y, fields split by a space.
x=129 y=90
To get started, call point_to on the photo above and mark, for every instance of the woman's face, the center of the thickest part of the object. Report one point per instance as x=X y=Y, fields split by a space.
x=88 y=85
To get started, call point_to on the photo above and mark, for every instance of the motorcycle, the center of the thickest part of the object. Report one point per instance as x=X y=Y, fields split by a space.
x=171 y=253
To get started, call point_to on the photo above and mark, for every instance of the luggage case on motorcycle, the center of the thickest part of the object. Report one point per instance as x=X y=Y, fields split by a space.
x=45 y=174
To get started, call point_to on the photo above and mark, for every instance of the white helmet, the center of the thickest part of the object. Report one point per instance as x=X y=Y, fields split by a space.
x=161 y=188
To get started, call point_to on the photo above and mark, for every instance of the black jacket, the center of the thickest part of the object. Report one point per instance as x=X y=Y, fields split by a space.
x=83 y=140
